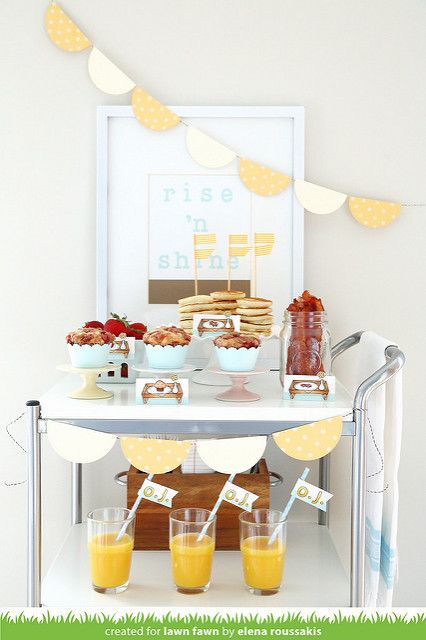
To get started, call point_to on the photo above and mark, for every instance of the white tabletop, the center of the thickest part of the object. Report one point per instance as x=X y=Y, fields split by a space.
x=272 y=411
x=313 y=577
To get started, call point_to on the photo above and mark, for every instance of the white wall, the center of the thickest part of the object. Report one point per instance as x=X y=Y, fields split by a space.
x=355 y=66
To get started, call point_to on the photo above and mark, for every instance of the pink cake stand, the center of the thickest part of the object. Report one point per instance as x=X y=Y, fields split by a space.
x=238 y=392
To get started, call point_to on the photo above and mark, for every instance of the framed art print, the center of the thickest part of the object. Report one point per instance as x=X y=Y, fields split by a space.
x=152 y=197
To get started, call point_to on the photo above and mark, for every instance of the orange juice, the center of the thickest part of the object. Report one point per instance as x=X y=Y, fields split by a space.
x=263 y=564
x=191 y=560
x=110 y=560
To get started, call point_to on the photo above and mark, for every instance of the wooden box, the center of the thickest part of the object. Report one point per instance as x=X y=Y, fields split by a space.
x=195 y=490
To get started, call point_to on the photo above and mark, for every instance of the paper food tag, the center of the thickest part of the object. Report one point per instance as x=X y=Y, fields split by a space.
x=123 y=348
x=311 y=494
x=238 y=496
x=210 y=325
x=168 y=390
x=155 y=492
x=304 y=388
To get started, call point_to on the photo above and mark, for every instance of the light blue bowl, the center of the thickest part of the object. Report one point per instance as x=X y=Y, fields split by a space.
x=167 y=357
x=232 y=359
x=89 y=356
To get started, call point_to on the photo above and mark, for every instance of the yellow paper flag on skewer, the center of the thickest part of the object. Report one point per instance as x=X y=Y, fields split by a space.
x=264 y=237
x=263 y=249
x=204 y=238
x=236 y=251
x=201 y=254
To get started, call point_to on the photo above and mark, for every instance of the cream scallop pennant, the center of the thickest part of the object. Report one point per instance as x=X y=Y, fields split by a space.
x=318 y=199
x=77 y=444
x=310 y=441
x=374 y=213
x=231 y=455
x=207 y=151
x=62 y=31
x=262 y=180
x=106 y=76
x=151 y=113
x=155 y=456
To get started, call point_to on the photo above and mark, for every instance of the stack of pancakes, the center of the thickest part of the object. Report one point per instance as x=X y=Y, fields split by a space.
x=256 y=313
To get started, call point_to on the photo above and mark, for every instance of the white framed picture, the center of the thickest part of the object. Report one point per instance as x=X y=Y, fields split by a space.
x=152 y=197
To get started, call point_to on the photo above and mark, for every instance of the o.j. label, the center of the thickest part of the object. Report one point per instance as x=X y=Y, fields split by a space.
x=157 y=493
x=311 y=494
x=238 y=496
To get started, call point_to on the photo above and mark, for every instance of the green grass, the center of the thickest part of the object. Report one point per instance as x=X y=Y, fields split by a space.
x=140 y=625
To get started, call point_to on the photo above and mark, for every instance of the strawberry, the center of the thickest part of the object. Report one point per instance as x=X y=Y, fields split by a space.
x=117 y=325
x=94 y=324
x=136 y=330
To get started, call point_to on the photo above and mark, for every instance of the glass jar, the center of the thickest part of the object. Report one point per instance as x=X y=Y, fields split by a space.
x=305 y=348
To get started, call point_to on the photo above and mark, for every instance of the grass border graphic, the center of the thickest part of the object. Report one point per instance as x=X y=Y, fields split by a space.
x=223 y=626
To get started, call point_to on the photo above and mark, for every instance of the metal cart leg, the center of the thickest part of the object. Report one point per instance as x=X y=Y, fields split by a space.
x=32 y=414
x=324 y=483
x=358 y=512
x=76 y=492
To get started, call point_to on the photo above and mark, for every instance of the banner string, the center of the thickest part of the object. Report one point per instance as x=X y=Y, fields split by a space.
x=18 y=444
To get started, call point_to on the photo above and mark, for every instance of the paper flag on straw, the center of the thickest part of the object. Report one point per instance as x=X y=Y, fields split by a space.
x=318 y=199
x=202 y=254
x=310 y=441
x=155 y=456
x=206 y=150
x=231 y=455
x=151 y=113
x=79 y=445
x=106 y=75
x=374 y=213
x=311 y=494
x=62 y=31
x=262 y=180
x=263 y=243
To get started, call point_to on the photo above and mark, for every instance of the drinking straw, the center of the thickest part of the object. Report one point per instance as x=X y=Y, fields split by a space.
x=132 y=511
x=215 y=508
x=286 y=510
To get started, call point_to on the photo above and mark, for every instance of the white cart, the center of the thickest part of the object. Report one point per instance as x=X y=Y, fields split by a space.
x=314 y=574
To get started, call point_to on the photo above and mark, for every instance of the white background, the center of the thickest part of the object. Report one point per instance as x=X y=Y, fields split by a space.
x=358 y=70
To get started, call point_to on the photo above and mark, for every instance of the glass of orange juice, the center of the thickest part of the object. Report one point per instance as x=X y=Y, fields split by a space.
x=192 y=543
x=263 y=563
x=110 y=559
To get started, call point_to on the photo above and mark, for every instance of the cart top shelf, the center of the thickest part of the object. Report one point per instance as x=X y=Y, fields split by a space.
x=203 y=415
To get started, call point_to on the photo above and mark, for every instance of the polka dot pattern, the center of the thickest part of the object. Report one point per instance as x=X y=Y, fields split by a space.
x=154 y=456
x=374 y=213
x=151 y=113
x=62 y=31
x=262 y=180
x=311 y=441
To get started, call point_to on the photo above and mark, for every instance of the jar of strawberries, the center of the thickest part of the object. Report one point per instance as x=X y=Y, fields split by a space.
x=305 y=339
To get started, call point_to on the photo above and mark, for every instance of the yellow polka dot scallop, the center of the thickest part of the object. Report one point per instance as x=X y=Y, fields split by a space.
x=262 y=180
x=155 y=456
x=374 y=213
x=62 y=31
x=151 y=113
x=310 y=441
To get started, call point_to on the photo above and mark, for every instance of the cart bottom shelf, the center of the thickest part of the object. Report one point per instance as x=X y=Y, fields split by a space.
x=313 y=577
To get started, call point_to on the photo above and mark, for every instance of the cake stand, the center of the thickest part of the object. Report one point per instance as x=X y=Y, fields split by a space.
x=89 y=390
x=238 y=392
x=147 y=369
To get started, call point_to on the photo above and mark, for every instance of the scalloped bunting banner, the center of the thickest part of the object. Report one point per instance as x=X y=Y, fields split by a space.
x=374 y=213
x=151 y=113
x=62 y=31
x=310 y=441
x=204 y=149
x=262 y=180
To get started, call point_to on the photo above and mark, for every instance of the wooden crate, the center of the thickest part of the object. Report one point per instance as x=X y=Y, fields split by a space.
x=195 y=490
